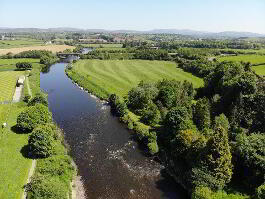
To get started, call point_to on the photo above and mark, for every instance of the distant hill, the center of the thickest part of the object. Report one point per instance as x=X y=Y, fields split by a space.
x=194 y=33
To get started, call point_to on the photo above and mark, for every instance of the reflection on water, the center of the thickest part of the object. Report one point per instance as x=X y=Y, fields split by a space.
x=109 y=161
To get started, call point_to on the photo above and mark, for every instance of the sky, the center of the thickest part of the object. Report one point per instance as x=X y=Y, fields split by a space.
x=203 y=15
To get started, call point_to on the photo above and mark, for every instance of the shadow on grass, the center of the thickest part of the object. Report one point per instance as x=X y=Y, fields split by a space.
x=25 y=151
x=16 y=130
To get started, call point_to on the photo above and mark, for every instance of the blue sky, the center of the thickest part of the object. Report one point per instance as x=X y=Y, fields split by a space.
x=206 y=15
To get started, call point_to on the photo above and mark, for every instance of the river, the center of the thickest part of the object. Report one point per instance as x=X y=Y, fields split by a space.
x=110 y=163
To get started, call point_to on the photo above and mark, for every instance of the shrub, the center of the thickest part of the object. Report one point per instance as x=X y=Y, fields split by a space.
x=26 y=98
x=178 y=118
x=24 y=65
x=153 y=147
x=38 y=99
x=151 y=114
x=260 y=192
x=41 y=187
x=33 y=116
x=202 y=193
x=41 y=141
x=141 y=130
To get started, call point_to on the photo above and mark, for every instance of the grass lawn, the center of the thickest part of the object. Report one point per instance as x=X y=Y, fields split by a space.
x=103 y=77
x=8 y=77
x=20 y=43
x=14 y=166
x=253 y=59
x=8 y=83
x=260 y=70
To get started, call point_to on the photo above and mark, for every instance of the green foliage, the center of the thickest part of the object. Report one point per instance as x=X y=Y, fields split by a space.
x=202 y=193
x=222 y=121
x=153 y=147
x=150 y=115
x=41 y=187
x=39 y=99
x=179 y=118
x=141 y=96
x=251 y=151
x=33 y=54
x=218 y=157
x=33 y=116
x=260 y=192
x=41 y=141
x=141 y=130
x=201 y=115
x=117 y=106
x=24 y=65
x=48 y=60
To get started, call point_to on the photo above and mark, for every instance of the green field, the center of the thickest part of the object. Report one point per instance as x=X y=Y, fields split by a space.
x=19 y=43
x=103 y=77
x=14 y=166
x=8 y=83
x=260 y=70
x=8 y=77
x=253 y=59
x=103 y=45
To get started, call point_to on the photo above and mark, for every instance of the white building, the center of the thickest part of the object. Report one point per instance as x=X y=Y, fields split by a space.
x=2 y=37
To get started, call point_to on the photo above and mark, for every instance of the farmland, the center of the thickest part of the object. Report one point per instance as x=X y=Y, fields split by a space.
x=53 y=48
x=116 y=76
x=253 y=59
x=5 y=44
x=260 y=70
x=8 y=83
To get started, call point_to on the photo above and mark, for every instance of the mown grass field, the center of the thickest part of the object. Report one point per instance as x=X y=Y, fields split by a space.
x=103 y=77
x=53 y=48
x=253 y=59
x=20 y=43
x=14 y=166
x=8 y=77
x=260 y=70
x=8 y=81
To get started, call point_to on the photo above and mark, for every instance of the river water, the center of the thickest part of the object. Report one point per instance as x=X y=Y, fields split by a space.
x=110 y=163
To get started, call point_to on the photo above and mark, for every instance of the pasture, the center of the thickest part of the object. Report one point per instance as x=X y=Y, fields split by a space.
x=260 y=70
x=103 y=45
x=103 y=77
x=5 y=44
x=8 y=83
x=253 y=59
x=53 y=48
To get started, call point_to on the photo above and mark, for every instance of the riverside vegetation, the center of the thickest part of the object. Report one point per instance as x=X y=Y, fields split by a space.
x=31 y=134
x=206 y=136
x=210 y=137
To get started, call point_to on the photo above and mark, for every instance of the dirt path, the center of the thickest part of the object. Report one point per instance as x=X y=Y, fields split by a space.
x=31 y=172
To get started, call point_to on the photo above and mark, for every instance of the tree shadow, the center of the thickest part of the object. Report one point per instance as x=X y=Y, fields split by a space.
x=17 y=130
x=25 y=151
x=170 y=188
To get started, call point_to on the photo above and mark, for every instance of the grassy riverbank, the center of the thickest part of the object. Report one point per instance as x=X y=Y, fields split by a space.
x=119 y=76
x=55 y=173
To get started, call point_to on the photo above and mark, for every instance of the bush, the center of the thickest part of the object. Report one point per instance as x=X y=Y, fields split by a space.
x=38 y=99
x=260 y=192
x=117 y=107
x=41 y=141
x=151 y=115
x=24 y=65
x=48 y=60
x=141 y=130
x=41 y=187
x=202 y=193
x=153 y=147
x=26 y=98
x=33 y=116
x=178 y=118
